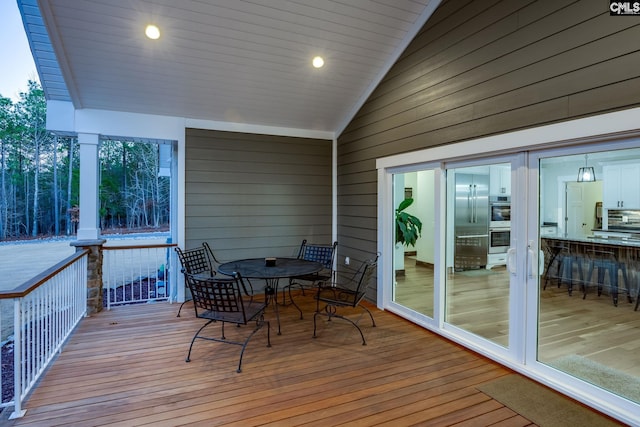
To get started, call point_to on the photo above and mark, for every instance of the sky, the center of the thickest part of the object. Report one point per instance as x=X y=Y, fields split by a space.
x=16 y=63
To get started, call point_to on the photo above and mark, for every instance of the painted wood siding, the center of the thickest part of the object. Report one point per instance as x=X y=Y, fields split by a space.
x=479 y=68
x=256 y=195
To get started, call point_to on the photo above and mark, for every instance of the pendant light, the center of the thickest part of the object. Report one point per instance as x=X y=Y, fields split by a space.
x=586 y=173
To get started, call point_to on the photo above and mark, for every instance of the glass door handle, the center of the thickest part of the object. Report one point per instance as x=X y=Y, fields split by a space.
x=540 y=262
x=511 y=261
x=531 y=261
x=534 y=261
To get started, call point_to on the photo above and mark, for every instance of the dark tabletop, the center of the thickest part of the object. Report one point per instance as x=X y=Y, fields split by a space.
x=256 y=268
x=595 y=240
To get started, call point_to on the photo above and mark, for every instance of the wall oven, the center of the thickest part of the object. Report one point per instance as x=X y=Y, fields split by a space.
x=499 y=224
x=499 y=240
x=499 y=212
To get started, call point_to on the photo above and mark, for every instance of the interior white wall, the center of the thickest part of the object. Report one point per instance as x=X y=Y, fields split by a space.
x=426 y=213
x=398 y=196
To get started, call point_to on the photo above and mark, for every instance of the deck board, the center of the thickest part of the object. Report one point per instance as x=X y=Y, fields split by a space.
x=126 y=367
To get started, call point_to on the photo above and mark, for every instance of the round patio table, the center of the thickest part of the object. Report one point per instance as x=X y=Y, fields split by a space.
x=257 y=268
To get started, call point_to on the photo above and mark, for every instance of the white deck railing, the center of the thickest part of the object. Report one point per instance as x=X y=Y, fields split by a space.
x=46 y=309
x=137 y=274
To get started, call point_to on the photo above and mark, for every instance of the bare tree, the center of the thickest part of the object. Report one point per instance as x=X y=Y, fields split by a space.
x=32 y=113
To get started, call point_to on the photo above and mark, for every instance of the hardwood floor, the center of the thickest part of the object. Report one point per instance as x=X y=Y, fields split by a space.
x=126 y=367
x=569 y=325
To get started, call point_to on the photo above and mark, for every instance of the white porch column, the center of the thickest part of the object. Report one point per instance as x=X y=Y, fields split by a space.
x=89 y=172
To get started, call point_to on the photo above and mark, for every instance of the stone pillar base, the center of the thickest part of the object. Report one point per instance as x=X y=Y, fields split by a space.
x=94 y=273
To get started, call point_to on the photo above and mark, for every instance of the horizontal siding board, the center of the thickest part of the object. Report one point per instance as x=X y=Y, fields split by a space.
x=293 y=238
x=359 y=222
x=229 y=249
x=249 y=211
x=283 y=178
x=360 y=233
x=233 y=249
x=358 y=211
x=224 y=158
x=215 y=222
x=359 y=199
x=317 y=190
x=356 y=249
x=246 y=233
x=359 y=187
x=368 y=176
x=610 y=97
x=258 y=200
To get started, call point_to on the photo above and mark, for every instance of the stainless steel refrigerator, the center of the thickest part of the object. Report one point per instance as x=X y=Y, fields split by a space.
x=471 y=225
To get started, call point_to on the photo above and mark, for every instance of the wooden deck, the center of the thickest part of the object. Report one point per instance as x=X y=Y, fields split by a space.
x=126 y=367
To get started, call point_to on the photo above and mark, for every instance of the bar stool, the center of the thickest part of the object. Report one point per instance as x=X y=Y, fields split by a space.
x=565 y=261
x=606 y=262
x=556 y=251
x=567 y=265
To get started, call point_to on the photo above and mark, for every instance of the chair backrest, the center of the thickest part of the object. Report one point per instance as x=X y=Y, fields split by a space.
x=324 y=254
x=212 y=258
x=195 y=261
x=217 y=298
x=363 y=278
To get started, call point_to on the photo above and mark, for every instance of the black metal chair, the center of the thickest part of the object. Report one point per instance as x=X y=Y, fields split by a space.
x=195 y=261
x=219 y=299
x=348 y=295
x=203 y=262
x=325 y=255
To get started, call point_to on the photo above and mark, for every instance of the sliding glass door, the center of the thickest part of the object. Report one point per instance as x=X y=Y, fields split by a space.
x=478 y=239
x=480 y=287
x=585 y=323
x=456 y=271
x=414 y=235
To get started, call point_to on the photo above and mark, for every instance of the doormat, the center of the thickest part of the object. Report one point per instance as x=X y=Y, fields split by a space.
x=618 y=382
x=541 y=405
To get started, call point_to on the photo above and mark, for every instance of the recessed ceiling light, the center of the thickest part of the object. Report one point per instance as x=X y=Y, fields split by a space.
x=318 y=62
x=152 y=31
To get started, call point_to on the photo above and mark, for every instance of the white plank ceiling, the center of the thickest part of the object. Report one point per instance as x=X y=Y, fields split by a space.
x=240 y=61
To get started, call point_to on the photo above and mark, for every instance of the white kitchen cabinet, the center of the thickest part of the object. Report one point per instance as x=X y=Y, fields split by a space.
x=499 y=180
x=620 y=189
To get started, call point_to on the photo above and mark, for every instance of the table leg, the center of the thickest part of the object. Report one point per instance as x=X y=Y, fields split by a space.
x=271 y=290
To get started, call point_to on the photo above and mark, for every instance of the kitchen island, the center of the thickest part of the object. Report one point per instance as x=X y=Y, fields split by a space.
x=577 y=259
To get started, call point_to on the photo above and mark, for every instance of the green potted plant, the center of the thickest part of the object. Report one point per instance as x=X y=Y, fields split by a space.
x=408 y=227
